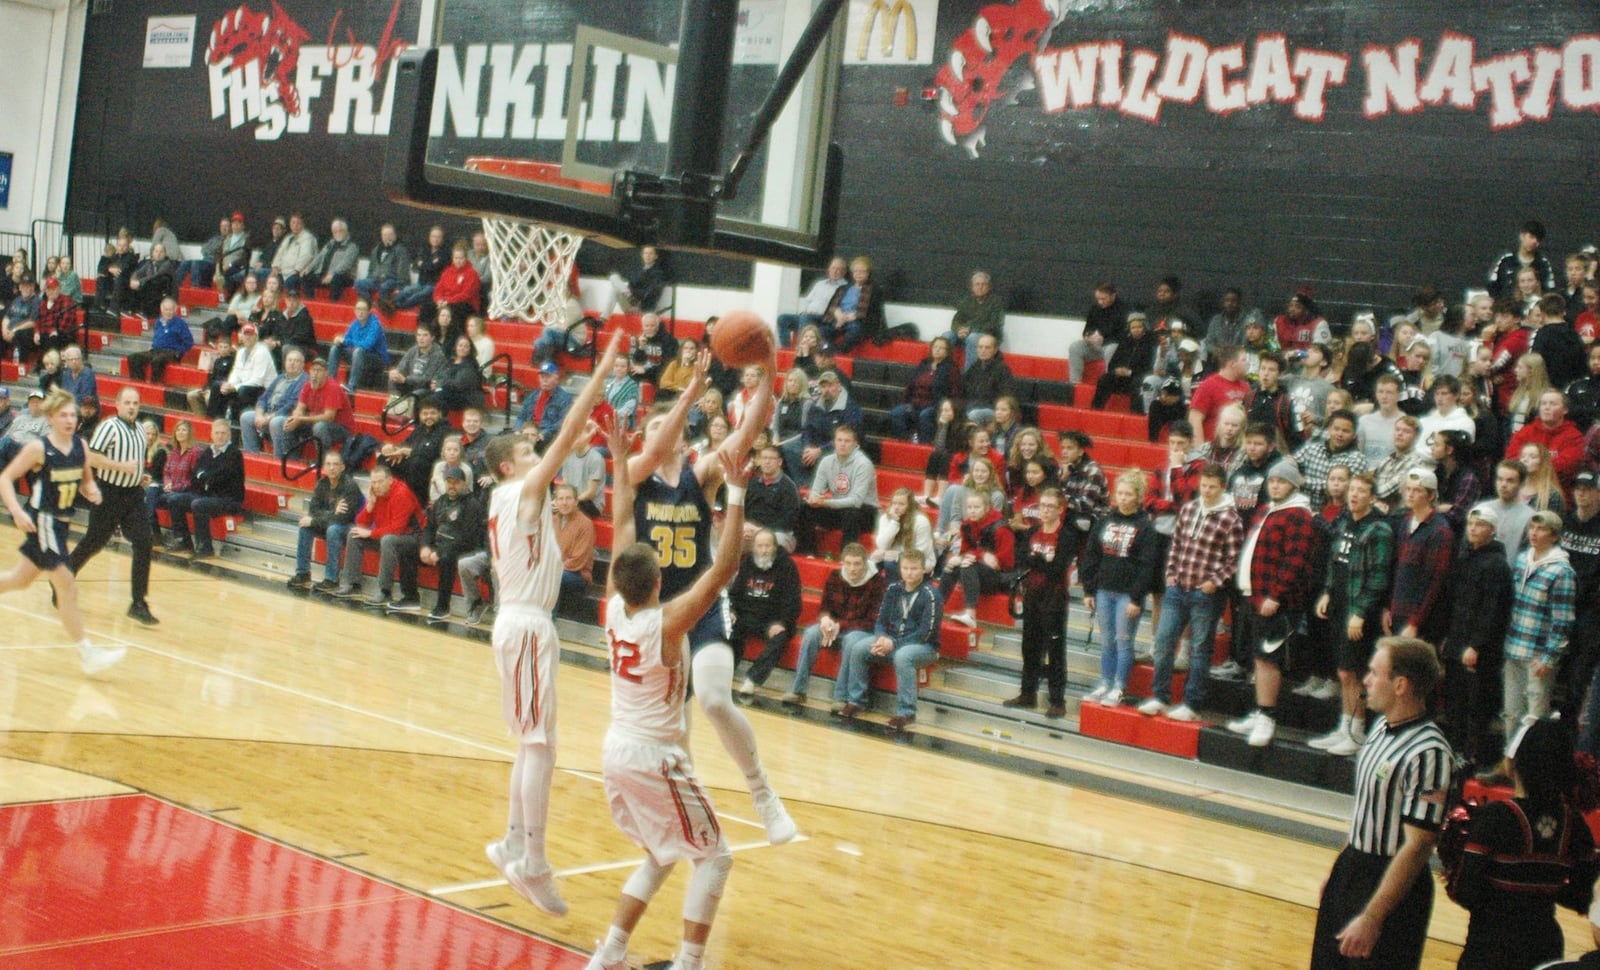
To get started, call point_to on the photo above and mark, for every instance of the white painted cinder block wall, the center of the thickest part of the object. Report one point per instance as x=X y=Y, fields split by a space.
x=41 y=46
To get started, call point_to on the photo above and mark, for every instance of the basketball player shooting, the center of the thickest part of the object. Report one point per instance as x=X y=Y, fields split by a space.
x=655 y=798
x=673 y=514
x=527 y=567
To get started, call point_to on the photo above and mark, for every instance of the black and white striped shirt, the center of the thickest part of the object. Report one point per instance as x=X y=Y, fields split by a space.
x=1402 y=778
x=120 y=441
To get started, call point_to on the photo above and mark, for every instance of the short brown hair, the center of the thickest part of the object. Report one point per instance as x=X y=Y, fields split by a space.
x=635 y=573
x=501 y=450
x=1415 y=660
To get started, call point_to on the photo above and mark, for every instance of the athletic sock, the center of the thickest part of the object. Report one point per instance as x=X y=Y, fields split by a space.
x=691 y=956
x=537 y=773
x=615 y=947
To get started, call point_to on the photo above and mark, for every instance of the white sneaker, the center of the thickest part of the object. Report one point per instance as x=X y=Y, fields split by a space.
x=1112 y=697
x=769 y=808
x=1244 y=725
x=1323 y=742
x=1344 y=746
x=1183 y=712
x=1227 y=671
x=538 y=888
x=747 y=689
x=1261 y=733
x=1152 y=707
x=1327 y=690
x=96 y=659
x=595 y=963
x=1306 y=689
x=1096 y=695
x=965 y=618
x=502 y=854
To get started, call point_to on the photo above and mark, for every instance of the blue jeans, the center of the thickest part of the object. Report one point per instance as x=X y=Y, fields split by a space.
x=335 y=539
x=1117 y=631
x=413 y=295
x=362 y=363
x=197 y=271
x=554 y=341
x=1199 y=612
x=907 y=658
x=380 y=289
x=905 y=419
x=810 y=646
x=970 y=343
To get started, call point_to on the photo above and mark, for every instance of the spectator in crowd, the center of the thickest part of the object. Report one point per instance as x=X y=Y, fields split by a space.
x=479 y=258
x=1576 y=268
x=1540 y=490
x=1227 y=325
x=244 y=305
x=1300 y=325
x=1583 y=394
x=459 y=384
x=856 y=312
x=1083 y=485
x=986 y=380
x=1390 y=475
x=574 y=534
x=220 y=354
x=1459 y=487
x=390 y=513
x=1452 y=346
x=833 y=407
x=1103 y=328
x=1274 y=576
x=330 y=512
x=277 y=400
x=814 y=304
x=749 y=379
x=1167 y=309
x=1474 y=640
x=77 y=376
x=653 y=349
x=262 y=266
x=950 y=433
x=215 y=488
x=1556 y=433
x=765 y=598
x=935 y=379
x=622 y=394
x=772 y=500
x=1510 y=341
x=1587 y=321
x=234 y=264
x=295 y=254
x=1354 y=592
x=153 y=280
x=1226 y=386
x=366 y=345
x=641 y=290
x=114 y=271
x=1580 y=537
x=388 y=268
x=177 y=471
x=1166 y=406
x=542 y=412
x=18 y=329
x=906 y=635
x=1375 y=429
x=1258 y=342
x=1201 y=559
x=334 y=266
x=200 y=271
x=1425 y=543
x=902 y=526
x=162 y=235
x=979 y=312
x=986 y=552
x=458 y=288
x=1271 y=404
x=1427 y=309
x=1447 y=413
x=322 y=412
x=247 y=379
x=1503 y=274
x=293 y=327
x=451 y=455
x=428 y=264
x=1337 y=447
x=679 y=373
x=844 y=492
x=1225 y=444
x=69 y=286
x=1532 y=381
x=418 y=367
x=457 y=526
x=1118 y=569
x=980 y=477
x=851 y=596
x=1512 y=514
x=585 y=470
x=170 y=339
x=1045 y=554
x=708 y=408
x=1128 y=367
x=1543 y=595
x=1247 y=481
x=1555 y=340
x=412 y=460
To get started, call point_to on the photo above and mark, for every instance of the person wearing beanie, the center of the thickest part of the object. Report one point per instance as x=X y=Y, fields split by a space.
x=1275 y=588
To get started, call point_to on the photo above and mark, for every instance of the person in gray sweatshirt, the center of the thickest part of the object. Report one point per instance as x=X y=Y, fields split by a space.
x=844 y=493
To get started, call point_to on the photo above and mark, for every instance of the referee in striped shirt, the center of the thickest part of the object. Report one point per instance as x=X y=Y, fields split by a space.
x=117 y=454
x=1377 y=900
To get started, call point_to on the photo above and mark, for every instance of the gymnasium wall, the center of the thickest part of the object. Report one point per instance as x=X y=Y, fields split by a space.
x=38 y=49
x=1359 y=148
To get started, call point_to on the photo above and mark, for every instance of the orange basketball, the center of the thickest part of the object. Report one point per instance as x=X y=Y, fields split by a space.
x=741 y=338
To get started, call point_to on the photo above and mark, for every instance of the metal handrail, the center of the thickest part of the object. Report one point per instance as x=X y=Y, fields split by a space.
x=507 y=382
x=393 y=407
x=315 y=466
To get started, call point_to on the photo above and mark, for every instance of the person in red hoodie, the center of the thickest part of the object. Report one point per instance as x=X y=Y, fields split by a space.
x=1556 y=433
x=391 y=509
x=1510 y=341
x=459 y=288
x=988 y=548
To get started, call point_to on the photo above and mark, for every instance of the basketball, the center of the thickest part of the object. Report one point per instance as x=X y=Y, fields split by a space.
x=741 y=338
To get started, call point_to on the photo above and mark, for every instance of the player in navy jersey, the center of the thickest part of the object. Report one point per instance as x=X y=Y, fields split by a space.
x=672 y=511
x=57 y=469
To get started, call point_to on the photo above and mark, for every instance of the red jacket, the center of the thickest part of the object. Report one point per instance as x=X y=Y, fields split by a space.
x=457 y=286
x=989 y=535
x=1565 y=442
x=394 y=514
x=1285 y=547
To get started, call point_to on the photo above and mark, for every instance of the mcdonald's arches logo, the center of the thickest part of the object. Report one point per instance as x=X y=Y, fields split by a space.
x=891 y=31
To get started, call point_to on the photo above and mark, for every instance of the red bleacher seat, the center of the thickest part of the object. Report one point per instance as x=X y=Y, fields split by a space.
x=1127 y=726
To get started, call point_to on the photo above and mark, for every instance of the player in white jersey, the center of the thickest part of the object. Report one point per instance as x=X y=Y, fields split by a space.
x=527 y=567
x=655 y=799
x=664 y=478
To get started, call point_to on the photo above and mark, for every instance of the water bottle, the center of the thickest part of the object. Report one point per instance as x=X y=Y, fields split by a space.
x=972 y=641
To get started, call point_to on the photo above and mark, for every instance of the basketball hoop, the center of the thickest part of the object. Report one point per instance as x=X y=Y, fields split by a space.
x=531 y=262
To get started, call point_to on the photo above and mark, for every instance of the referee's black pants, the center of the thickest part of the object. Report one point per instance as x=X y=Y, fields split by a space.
x=1350 y=885
x=119 y=506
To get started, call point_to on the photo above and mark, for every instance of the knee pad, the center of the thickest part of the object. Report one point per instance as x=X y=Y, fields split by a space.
x=646 y=880
x=706 y=884
x=713 y=677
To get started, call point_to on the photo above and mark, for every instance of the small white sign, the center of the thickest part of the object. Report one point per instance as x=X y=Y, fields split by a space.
x=169 y=41
x=891 y=31
x=759 y=37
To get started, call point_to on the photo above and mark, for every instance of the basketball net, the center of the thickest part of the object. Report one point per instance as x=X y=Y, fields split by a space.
x=531 y=268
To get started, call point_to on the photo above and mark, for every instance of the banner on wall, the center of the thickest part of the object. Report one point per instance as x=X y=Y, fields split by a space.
x=890 y=31
x=759 y=37
x=169 y=42
x=5 y=180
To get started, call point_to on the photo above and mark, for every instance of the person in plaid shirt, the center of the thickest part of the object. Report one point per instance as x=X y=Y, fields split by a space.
x=850 y=600
x=1360 y=561
x=1083 y=485
x=1337 y=446
x=1542 y=609
x=1202 y=558
x=1419 y=606
x=1275 y=582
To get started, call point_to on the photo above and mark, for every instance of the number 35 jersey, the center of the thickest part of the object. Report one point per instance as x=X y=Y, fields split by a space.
x=676 y=520
x=646 y=696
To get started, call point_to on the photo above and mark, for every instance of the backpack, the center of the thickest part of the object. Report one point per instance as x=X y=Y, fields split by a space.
x=359 y=449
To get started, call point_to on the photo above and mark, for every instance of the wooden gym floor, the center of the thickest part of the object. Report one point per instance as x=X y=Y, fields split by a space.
x=376 y=747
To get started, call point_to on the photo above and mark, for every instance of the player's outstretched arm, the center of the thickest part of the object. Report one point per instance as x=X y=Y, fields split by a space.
x=658 y=446
x=623 y=532
x=556 y=451
x=756 y=418
x=684 y=610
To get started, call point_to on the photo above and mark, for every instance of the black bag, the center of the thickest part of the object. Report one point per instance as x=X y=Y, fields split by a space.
x=360 y=448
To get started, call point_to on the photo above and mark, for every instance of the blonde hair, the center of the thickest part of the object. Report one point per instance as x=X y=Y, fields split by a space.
x=58 y=398
x=1542 y=481
x=1526 y=397
x=1134 y=479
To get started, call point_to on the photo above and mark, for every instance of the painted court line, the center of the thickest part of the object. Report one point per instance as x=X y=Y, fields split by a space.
x=463 y=887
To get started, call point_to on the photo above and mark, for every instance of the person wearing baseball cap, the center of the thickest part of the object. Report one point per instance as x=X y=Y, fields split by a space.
x=1580 y=537
x=56 y=324
x=21 y=316
x=262 y=265
x=235 y=261
x=543 y=411
x=1418 y=607
x=1274 y=577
